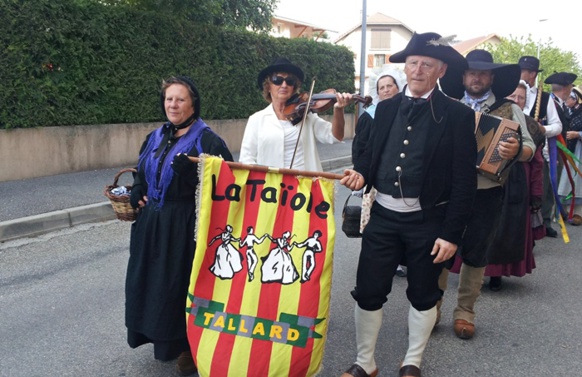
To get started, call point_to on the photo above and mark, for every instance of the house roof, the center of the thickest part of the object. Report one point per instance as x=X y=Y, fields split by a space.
x=301 y=23
x=469 y=45
x=376 y=19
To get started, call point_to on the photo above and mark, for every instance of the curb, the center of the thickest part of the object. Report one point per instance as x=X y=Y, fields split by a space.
x=36 y=225
x=336 y=163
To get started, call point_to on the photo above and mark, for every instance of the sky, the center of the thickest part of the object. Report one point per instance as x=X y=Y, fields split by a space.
x=465 y=19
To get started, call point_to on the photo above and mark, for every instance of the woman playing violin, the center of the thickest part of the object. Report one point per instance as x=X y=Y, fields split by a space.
x=270 y=138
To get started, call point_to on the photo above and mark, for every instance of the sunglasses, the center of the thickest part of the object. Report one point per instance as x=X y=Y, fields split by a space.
x=278 y=80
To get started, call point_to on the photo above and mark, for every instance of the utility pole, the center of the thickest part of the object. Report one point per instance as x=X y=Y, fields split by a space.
x=363 y=58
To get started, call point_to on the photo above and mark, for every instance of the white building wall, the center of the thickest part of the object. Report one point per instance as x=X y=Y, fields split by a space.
x=399 y=39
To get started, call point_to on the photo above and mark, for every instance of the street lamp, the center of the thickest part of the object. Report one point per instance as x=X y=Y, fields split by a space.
x=539 y=43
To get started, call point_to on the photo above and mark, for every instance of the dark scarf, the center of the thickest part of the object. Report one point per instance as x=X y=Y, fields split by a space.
x=576 y=122
x=150 y=158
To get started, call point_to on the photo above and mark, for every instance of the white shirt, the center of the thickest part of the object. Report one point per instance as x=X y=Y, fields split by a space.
x=292 y=155
x=263 y=141
x=554 y=125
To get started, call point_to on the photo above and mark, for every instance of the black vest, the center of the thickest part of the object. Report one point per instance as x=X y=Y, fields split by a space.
x=400 y=169
x=543 y=116
x=564 y=117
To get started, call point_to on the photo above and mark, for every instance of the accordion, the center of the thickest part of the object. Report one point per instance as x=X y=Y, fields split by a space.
x=490 y=130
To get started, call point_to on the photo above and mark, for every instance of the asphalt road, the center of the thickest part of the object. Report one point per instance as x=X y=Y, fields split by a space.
x=62 y=313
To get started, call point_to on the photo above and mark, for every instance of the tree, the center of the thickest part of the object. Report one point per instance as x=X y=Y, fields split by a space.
x=256 y=14
x=236 y=14
x=552 y=59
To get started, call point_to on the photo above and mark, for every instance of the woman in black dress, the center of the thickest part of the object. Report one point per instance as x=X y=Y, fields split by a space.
x=162 y=238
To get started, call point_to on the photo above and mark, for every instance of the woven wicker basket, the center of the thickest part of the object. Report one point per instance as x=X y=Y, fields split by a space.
x=120 y=203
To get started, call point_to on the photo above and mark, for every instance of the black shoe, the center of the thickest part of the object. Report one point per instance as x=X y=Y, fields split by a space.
x=495 y=283
x=400 y=272
x=551 y=232
x=185 y=365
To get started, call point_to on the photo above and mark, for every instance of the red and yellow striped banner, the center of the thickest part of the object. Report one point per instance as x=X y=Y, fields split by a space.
x=258 y=301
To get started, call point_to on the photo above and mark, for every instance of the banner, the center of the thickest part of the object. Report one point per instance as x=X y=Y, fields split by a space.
x=258 y=301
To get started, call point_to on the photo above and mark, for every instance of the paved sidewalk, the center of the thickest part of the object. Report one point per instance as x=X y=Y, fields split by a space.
x=31 y=207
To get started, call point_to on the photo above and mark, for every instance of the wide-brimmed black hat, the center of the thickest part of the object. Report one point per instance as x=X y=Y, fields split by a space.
x=433 y=46
x=504 y=83
x=280 y=65
x=531 y=63
x=561 y=78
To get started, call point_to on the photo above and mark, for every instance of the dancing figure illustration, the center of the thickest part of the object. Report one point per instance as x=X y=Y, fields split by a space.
x=228 y=260
x=312 y=246
x=250 y=241
x=278 y=265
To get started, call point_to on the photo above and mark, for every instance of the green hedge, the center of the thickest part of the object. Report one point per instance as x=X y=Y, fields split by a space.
x=68 y=64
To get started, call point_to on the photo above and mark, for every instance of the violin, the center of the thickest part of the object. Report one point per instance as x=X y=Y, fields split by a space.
x=295 y=106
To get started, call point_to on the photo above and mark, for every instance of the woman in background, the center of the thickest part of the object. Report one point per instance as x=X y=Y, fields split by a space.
x=532 y=187
x=388 y=83
x=574 y=141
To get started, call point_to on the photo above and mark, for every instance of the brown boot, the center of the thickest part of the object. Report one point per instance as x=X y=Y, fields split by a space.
x=470 y=282
x=185 y=365
x=464 y=329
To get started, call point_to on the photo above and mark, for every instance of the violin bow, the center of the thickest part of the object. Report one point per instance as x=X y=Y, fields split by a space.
x=303 y=121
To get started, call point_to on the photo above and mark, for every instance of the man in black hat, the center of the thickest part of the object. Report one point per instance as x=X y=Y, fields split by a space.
x=485 y=84
x=421 y=159
x=562 y=84
x=544 y=112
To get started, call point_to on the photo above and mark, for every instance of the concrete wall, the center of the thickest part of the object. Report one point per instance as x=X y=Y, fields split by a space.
x=37 y=152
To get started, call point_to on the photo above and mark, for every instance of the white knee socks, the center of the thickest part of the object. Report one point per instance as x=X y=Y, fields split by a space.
x=368 y=325
x=420 y=325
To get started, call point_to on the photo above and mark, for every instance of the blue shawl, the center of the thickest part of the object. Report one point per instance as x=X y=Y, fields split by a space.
x=149 y=159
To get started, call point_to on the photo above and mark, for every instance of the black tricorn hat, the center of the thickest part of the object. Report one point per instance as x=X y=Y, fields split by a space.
x=506 y=75
x=531 y=63
x=433 y=46
x=561 y=78
x=436 y=47
x=280 y=65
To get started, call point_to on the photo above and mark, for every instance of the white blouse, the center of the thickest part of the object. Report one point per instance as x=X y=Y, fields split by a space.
x=265 y=142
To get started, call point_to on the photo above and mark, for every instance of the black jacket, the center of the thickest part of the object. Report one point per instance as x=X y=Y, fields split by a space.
x=449 y=172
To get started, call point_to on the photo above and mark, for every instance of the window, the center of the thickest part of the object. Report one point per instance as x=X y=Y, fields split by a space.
x=380 y=38
x=379 y=60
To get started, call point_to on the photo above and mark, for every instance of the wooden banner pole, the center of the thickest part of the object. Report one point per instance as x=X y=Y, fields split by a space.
x=268 y=169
